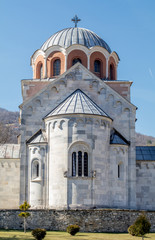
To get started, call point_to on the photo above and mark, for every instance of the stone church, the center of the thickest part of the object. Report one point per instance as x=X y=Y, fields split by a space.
x=77 y=145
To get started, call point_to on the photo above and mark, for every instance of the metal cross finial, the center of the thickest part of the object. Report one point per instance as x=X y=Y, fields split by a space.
x=76 y=20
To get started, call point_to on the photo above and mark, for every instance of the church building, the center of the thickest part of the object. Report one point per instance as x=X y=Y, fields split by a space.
x=77 y=147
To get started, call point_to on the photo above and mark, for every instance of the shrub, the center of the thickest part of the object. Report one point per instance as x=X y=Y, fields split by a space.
x=73 y=229
x=39 y=233
x=140 y=227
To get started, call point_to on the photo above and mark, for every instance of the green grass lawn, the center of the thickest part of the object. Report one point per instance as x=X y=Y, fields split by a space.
x=20 y=235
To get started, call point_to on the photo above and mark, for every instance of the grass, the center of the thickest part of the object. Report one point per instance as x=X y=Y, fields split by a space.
x=51 y=235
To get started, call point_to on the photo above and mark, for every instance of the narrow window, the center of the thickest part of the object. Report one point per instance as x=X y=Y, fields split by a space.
x=118 y=170
x=111 y=72
x=75 y=60
x=86 y=164
x=79 y=163
x=97 y=66
x=74 y=164
x=56 y=67
x=35 y=169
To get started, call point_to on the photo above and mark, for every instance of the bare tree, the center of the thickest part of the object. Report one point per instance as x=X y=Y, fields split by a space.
x=5 y=133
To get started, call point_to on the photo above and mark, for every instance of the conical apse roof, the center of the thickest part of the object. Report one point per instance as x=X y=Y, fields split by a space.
x=77 y=102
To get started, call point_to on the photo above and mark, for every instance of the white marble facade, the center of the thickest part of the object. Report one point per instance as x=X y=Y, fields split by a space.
x=77 y=132
x=77 y=126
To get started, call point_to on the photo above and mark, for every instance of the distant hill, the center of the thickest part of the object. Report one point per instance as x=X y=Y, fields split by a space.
x=8 y=117
x=144 y=140
x=11 y=119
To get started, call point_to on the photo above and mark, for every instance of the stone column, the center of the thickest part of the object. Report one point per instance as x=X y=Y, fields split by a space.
x=107 y=67
x=45 y=68
x=65 y=62
x=88 y=58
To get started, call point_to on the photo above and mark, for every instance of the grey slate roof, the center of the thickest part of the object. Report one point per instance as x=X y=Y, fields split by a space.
x=117 y=138
x=76 y=103
x=70 y=36
x=146 y=153
x=38 y=137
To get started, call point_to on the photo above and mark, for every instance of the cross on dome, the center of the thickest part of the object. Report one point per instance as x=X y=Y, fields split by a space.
x=76 y=20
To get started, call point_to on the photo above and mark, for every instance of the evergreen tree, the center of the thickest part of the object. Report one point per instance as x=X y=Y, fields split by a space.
x=24 y=207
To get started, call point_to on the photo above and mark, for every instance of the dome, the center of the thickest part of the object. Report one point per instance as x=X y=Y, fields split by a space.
x=76 y=35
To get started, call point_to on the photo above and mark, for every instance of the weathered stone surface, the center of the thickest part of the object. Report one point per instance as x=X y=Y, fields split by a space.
x=97 y=220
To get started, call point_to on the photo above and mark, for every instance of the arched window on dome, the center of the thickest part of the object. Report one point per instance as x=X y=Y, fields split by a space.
x=112 y=73
x=97 y=66
x=56 y=67
x=75 y=60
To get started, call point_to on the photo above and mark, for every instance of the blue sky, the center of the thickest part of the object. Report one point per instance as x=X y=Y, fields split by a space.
x=128 y=26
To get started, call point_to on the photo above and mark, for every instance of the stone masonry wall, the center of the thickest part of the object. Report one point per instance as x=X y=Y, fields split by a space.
x=145 y=187
x=9 y=183
x=97 y=220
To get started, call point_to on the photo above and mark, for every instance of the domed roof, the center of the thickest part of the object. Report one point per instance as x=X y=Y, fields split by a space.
x=75 y=35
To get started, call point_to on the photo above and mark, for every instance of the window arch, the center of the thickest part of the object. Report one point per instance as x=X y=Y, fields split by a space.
x=75 y=60
x=35 y=169
x=80 y=164
x=97 y=66
x=56 y=67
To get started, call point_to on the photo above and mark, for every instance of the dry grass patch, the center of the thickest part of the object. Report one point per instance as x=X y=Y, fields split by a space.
x=52 y=235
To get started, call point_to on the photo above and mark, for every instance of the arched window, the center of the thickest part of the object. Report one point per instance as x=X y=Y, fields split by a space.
x=74 y=164
x=97 y=66
x=112 y=72
x=75 y=60
x=56 y=67
x=35 y=169
x=86 y=164
x=80 y=164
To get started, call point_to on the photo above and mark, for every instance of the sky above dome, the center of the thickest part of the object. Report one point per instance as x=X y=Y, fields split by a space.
x=127 y=26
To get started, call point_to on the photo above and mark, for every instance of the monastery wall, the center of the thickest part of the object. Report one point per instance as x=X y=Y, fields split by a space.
x=145 y=187
x=9 y=183
x=9 y=176
x=97 y=220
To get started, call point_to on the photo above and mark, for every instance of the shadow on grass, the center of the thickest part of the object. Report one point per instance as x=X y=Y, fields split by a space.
x=6 y=238
x=80 y=235
x=13 y=237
